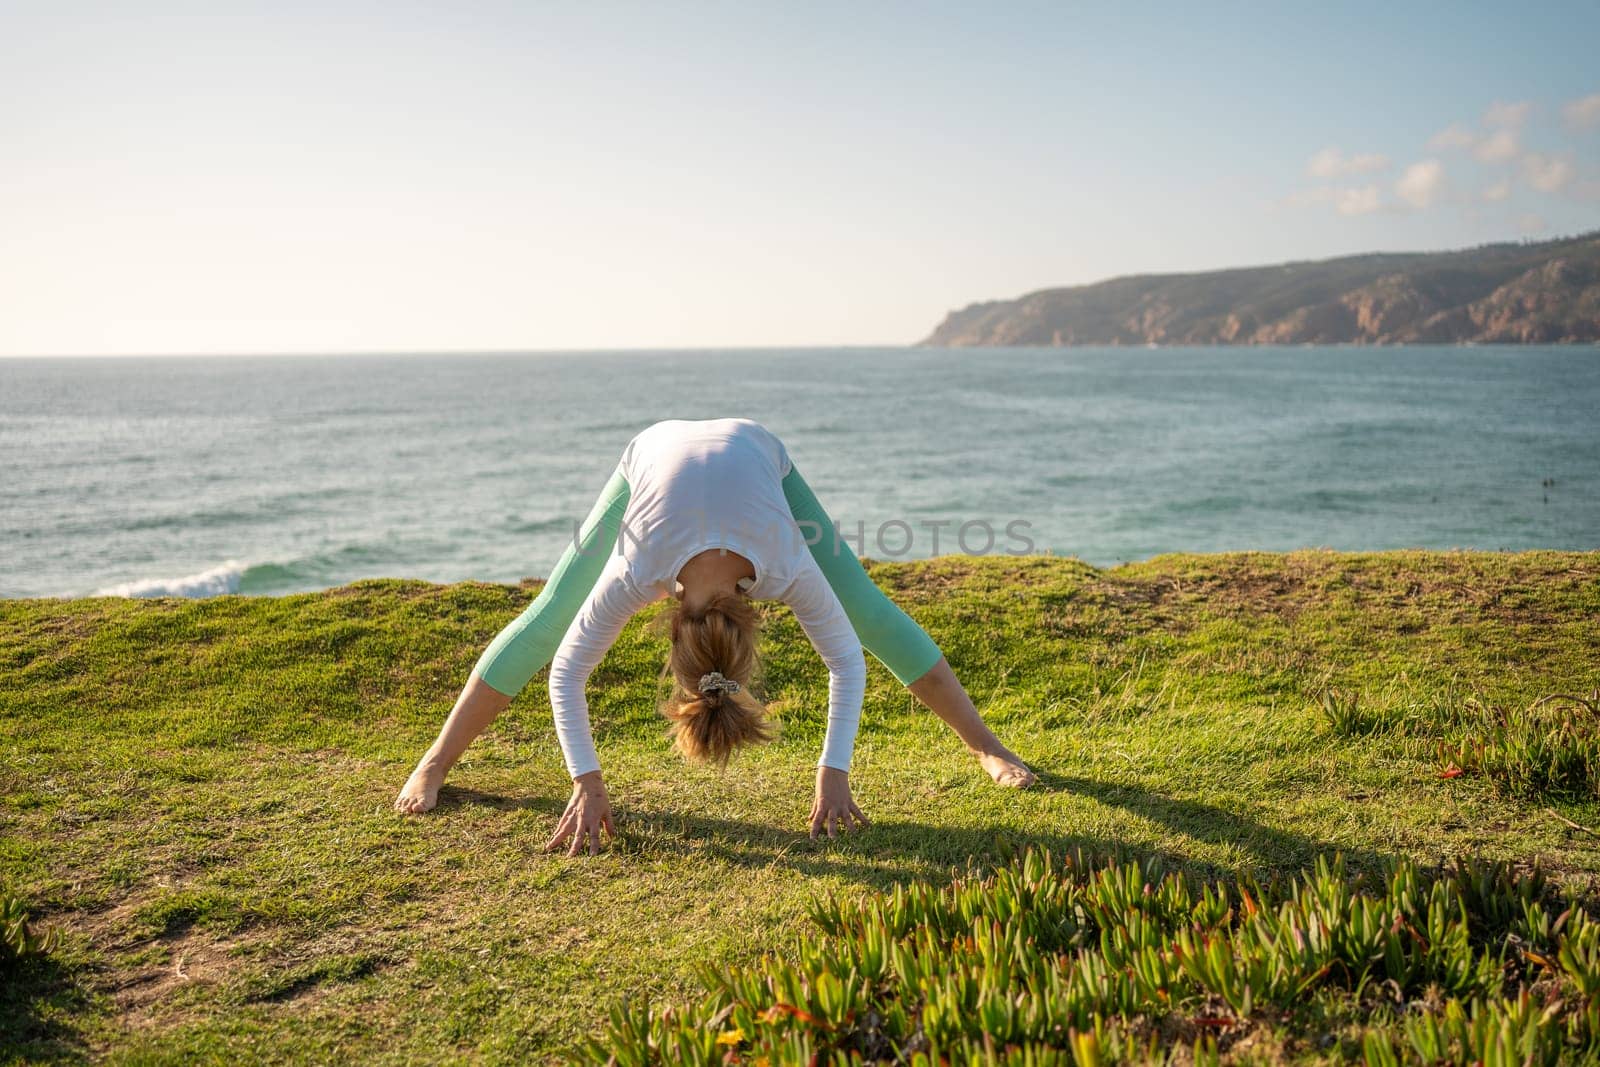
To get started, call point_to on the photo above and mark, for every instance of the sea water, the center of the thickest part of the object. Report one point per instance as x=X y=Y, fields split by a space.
x=199 y=476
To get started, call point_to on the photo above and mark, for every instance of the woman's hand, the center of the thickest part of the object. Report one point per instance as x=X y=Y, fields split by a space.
x=834 y=810
x=587 y=811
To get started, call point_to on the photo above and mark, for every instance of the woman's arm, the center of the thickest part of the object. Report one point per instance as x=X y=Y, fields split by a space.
x=594 y=630
x=887 y=632
x=823 y=619
x=530 y=640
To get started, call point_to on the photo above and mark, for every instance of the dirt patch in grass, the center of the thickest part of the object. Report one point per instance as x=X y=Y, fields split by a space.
x=1396 y=592
x=71 y=627
x=185 y=973
x=140 y=973
x=1444 y=587
x=143 y=995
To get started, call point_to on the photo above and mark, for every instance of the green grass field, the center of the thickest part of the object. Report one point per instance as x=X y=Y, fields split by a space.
x=196 y=794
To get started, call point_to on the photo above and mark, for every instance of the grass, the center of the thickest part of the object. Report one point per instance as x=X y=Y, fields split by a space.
x=1091 y=962
x=196 y=794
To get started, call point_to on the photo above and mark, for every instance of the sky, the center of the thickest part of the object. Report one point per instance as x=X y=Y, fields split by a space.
x=233 y=177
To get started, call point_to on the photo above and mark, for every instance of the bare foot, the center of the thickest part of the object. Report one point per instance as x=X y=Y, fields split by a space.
x=421 y=791
x=1006 y=769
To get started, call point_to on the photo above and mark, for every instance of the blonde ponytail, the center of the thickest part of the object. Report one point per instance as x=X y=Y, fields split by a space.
x=709 y=723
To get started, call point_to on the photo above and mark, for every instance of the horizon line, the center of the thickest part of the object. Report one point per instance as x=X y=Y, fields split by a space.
x=679 y=349
x=1524 y=241
x=565 y=351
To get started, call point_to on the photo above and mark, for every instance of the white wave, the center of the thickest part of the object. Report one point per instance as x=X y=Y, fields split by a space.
x=223 y=578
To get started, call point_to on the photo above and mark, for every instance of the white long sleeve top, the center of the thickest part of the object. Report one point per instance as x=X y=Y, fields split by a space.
x=694 y=486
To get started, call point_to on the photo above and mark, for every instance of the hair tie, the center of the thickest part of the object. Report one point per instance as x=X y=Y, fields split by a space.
x=715 y=682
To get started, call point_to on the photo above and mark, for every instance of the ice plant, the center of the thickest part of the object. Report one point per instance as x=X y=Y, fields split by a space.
x=1078 y=961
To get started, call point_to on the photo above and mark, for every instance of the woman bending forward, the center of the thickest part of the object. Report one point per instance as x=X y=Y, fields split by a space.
x=714 y=514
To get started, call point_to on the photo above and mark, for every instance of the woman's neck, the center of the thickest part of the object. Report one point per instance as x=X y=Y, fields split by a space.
x=712 y=572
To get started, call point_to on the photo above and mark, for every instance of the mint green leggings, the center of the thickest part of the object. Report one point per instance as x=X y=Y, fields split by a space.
x=530 y=641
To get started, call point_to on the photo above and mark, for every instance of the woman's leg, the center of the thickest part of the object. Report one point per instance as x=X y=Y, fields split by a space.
x=943 y=694
x=476 y=707
x=895 y=638
x=529 y=642
x=522 y=649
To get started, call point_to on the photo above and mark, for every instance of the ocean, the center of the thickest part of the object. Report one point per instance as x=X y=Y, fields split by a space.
x=273 y=474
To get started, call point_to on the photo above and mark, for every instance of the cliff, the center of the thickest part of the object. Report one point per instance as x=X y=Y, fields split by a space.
x=1541 y=293
x=196 y=794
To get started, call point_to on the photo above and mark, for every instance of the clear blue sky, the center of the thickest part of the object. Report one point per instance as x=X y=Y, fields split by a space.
x=402 y=176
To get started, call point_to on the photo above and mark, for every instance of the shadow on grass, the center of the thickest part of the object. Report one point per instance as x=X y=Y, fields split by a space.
x=39 y=998
x=455 y=796
x=891 y=851
x=1273 y=848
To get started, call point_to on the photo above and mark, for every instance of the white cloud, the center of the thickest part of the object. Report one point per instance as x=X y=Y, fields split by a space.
x=1501 y=146
x=1361 y=201
x=1331 y=163
x=1510 y=116
x=1497 y=146
x=1455 y=135
x=1420 y=183
x=1529 y=224
x=1548 y=174
x=1346 y=200
x=1583 y=113
x=1496 y=140
x=1500 y=143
